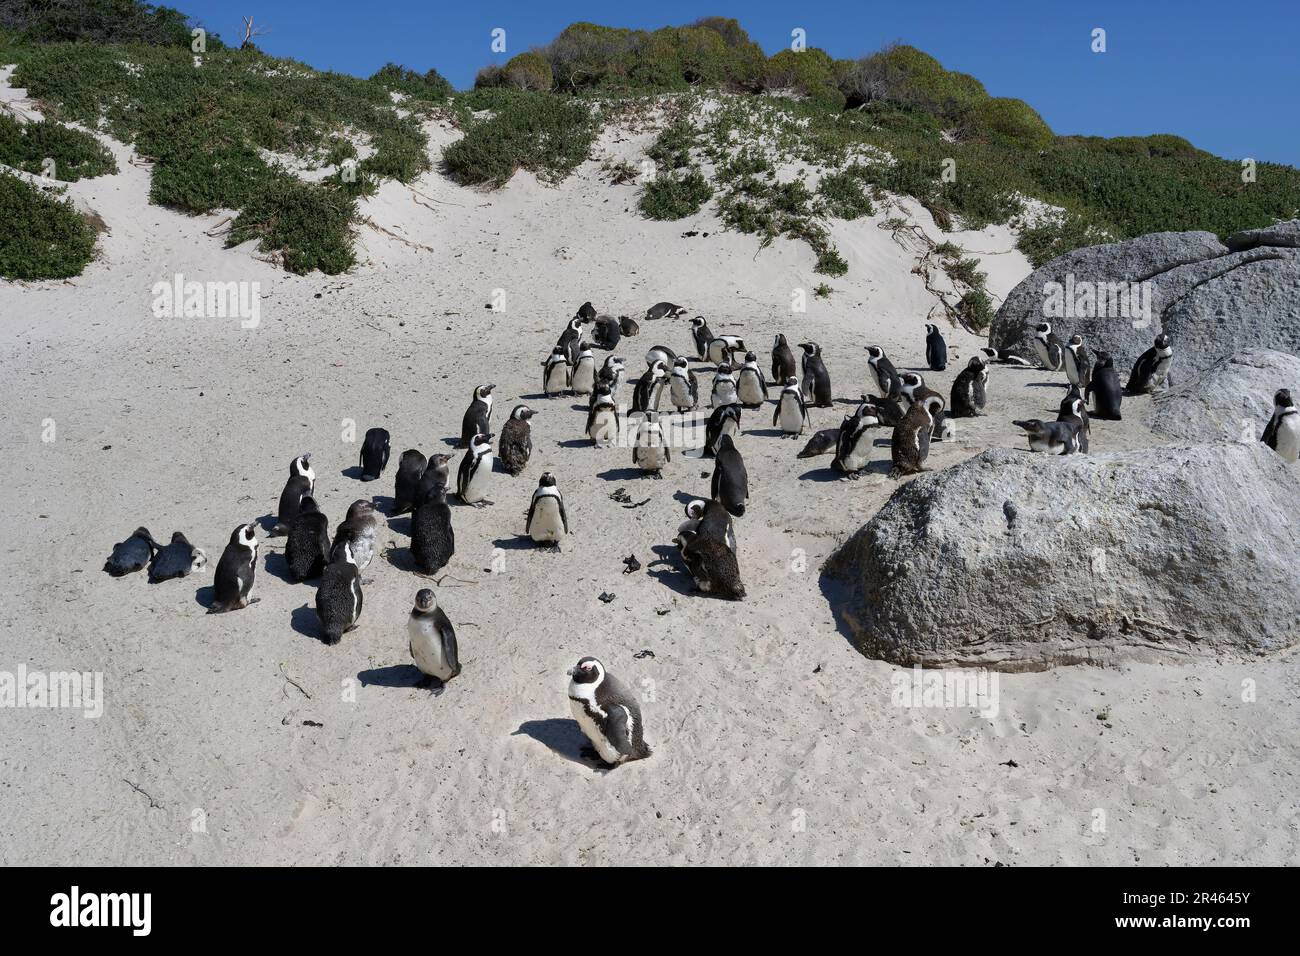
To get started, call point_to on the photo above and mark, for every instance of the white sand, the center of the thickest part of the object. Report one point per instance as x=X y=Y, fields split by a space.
x=775 y=741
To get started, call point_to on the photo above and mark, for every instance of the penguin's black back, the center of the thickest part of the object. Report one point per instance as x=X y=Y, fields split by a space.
x=308 y=545
x=334 y=600
x=433 y=541
x=374 y=453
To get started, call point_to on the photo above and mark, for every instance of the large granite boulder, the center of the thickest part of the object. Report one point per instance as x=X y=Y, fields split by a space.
x=1231 y=401
x=1020 y=561
x=1211 y=299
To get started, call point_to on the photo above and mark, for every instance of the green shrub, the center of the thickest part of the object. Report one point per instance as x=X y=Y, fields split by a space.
x=526 y=71
x=809 y=72
x=430 y=86
x=831 y=263
x=671 y=149
x=976 y=309
x=99 y=21
x=1052 y=237
x=843 y=196
x=43 y=237
x=1012 y=122
x=309 y=225
x=675 y=195
x=76 y=155
x=905 y=76
x=965 y=271
x=546 y=135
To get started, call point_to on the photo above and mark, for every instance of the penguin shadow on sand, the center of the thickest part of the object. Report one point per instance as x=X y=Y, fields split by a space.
x=623 y=474
x=575 y=443
x=267 y=523
x=563 y=737
x=669 y=570
x=764 y=433
x=205 y=595
x=877 y=466
x=518 y=542
x=355 y=472
x=306 y=622
x=396 y=676
x=401 y=558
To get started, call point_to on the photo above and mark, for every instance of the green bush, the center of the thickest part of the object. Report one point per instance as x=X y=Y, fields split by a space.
x=675 y=196
x=546 y=135
x=976 y=309
x=43 y=237
x=309 y=225
x=431 y=86
x=671 y=149
x=526 y=71
x=907 y=77
x=76 y=155
x=1049 y=238
x=809 y=72
x=843 y=196
x=1007 y=121
x=99 y=21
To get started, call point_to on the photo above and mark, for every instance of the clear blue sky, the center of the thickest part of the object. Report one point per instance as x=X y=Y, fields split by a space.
x=1225 y=75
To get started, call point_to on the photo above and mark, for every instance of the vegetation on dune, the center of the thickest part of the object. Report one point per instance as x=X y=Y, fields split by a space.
x=549 y=136
x=98 y=21
x=75 y=154
x=43 y=237
x=675 y=196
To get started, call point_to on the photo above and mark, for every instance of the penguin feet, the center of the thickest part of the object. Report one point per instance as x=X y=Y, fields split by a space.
x=590 y=753
x=483 y=503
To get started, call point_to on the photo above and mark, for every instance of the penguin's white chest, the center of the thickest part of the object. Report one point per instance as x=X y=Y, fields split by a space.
x=594 y=733
x=650 y=451
x=724 y=393
x=426 y=649
x=1045 y=356
x=557 y=377
x=791 y=418
x=1288 y=438
x=680 y=393
x=476 y=486
x=547 y=525
x=750 y=393
x=584 y=377
x=1071 y=368
x=604 y=427
x=859 y=452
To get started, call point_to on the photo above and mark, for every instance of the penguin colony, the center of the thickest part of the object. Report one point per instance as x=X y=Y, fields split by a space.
x=606 y=710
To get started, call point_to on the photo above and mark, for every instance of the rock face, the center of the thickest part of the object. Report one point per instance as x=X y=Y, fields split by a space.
x=1020 y=562
x=1230 y=401
x=1211 y=299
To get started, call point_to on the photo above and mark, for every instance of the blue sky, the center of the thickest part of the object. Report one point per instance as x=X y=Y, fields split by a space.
x=1224 y=75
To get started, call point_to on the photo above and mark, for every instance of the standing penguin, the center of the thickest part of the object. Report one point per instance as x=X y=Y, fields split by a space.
x=650 y=387
x=359 y=529
x=886 y=375
x=724 y=387
x=302 y=482
x=410 y=469
x=235 y=572
x=725 y=420
x=816 y=380
x=176 y=560
x=730 y=480
x=475 y=472
x=607 y=712
x=556 y=372
x=853 y=450
x=603 y=424
x=433 y=541
x=612 y=373
x=969 y=389
x=936 y=349
x=583 y=379
x=911 y=441
x=722 y=349
x=782 y=359
x=1282 y=434
x=683 y=387
x=308 y=546
x=1048 y=348
x=751 y=386
x=436 y=473
x=651 y=451
x=1104 y=384
x=1078 y=364
x=478 y=416
x=516 y=443
x=132 y=554
x=791 y=413
x=569 y=339
x=586 y=312
x=432 y=640
x=338 y=598
x=374 y=453
x=702 y=335
x=547 y=522
x=1151 y=370
x=1072 y=410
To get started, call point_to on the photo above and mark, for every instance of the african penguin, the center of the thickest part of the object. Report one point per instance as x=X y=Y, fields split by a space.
x=583 y=379
x=853 y=449
x=338 y=597
x=816 y=380
x=822 y=443
x=722 y=349
x=911 y=440
x=374 y=453
x=702 y=335
x=176 y=560
x=235 y=572
x=410 y=469
x=1073 y=411
x=660 y=353
x=432 y=640
x=1078 y=364
x=649 y=387
x=433 y=541
x=751 y=386
x=516 y=443
x=1151 y=370
x=612 y=373
x=724 y=420
x=547 y=522
x=1282 y=434
x=936 y=349
x=308 y=546
x=1047 y=346
x=1054 y=438
x=302 y=482
x=607 y=712
x=730 y=480
x=603 y=425
x=475 y=472
x=586 y=312
x=664 y=310
x=783 y=365
x=556 y=372
x=132 y=554
x=359 y=529
x=683 y=387
x=569 y=339
x=628 y=326
x=478 y=417
x=606 y=333
x=724 y=387
x=886 y=376
x=969 y=393
x=651 y=452
x=709 y=519
x=791 y=413
x=1103 y=386
x=712 y=565
x=437 y=473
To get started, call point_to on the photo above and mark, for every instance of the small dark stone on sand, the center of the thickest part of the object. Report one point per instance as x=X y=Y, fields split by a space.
x=632 y=564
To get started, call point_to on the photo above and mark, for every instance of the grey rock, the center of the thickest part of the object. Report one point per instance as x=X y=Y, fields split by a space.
x=1197 y=556
x=1230 y=401
x=1211 y=300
